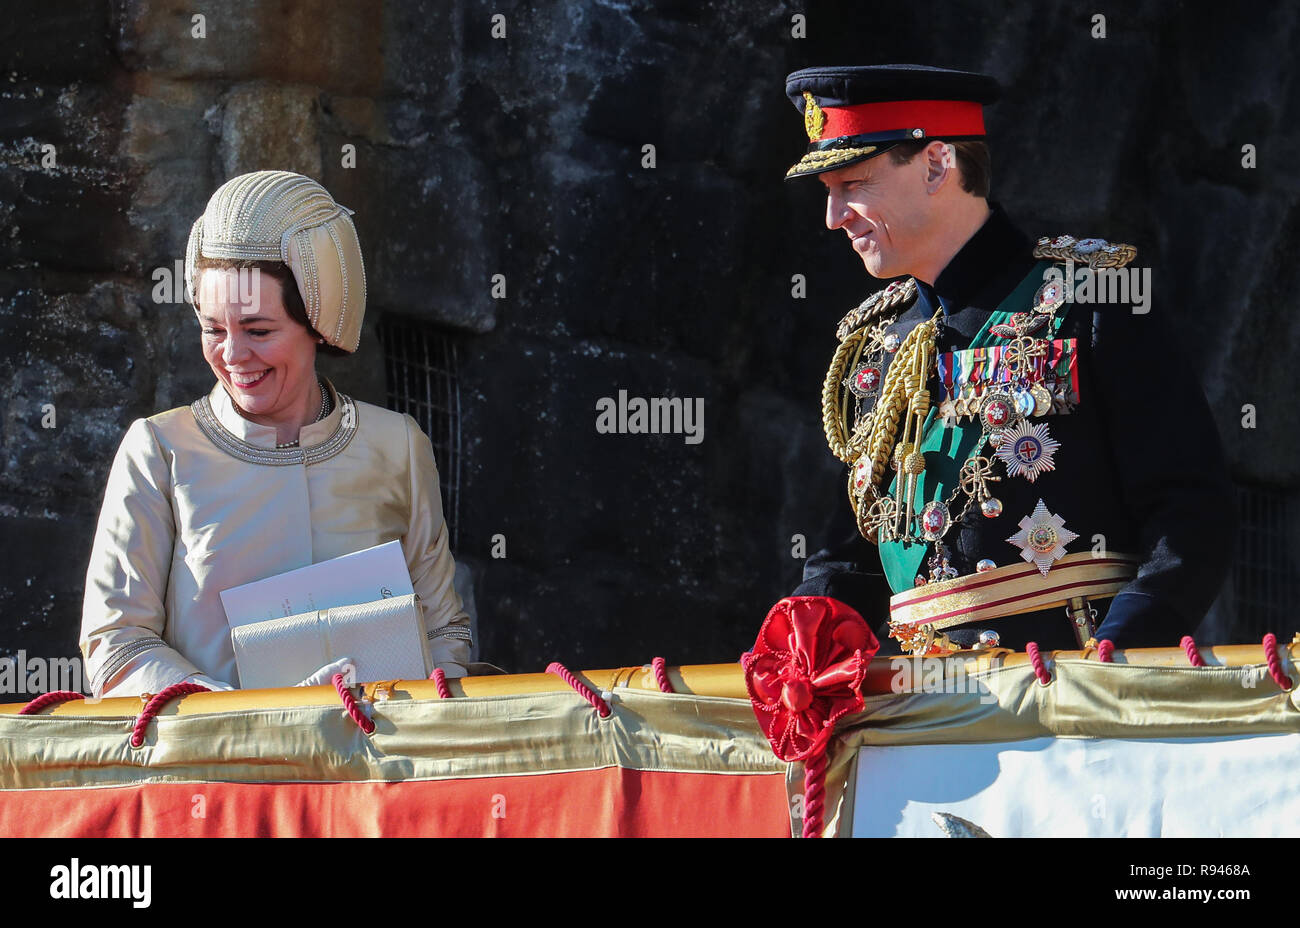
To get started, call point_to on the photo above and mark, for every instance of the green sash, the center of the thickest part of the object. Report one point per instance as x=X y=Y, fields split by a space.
x=947 y=448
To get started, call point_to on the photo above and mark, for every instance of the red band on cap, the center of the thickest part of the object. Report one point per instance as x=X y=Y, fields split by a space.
x=936 y=117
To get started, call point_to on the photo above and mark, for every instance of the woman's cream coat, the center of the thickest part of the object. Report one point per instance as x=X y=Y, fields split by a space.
x=200 y=500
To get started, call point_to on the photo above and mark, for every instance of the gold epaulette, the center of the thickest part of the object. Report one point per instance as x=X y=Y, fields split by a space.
x=1094 y=252
x=896 y=294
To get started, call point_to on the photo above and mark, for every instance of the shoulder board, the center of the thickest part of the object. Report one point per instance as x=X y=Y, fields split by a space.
x=1094 y=252
x=897 y=294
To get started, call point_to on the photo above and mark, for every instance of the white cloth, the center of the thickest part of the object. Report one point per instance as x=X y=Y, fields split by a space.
x=184 y=519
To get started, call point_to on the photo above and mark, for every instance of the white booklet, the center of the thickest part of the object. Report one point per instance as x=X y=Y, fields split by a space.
x=360 y=577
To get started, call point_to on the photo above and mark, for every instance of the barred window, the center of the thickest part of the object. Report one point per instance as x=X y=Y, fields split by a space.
x=1264 y=577
x=420 y=372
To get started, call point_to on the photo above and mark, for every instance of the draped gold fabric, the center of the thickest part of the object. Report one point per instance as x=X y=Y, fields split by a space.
x=513 y=726
x=414 y=739
x=1086 y=699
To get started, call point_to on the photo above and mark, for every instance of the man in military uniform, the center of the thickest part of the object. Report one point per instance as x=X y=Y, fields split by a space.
x=1023 y=465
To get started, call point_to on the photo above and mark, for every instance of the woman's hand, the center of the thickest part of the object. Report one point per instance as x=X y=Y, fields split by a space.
x=344 y=665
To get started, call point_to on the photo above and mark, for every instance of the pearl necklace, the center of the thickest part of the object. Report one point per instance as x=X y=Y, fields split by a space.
x=324 y=411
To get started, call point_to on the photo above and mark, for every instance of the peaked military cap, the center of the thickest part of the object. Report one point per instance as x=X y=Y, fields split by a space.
x=855 y=113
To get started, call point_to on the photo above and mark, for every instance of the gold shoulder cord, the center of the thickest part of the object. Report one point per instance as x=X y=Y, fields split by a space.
x=869 y=443
x=907 y=398
x=834 y=406
x=855 y=335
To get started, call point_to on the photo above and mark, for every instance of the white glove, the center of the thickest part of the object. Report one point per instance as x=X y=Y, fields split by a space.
x=344 y=665
x=204 y=680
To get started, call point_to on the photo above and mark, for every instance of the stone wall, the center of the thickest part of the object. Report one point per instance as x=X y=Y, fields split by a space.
x=522 y=156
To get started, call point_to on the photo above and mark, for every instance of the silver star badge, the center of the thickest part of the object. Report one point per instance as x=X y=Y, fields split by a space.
x=1042 y=538
x=1027 y=450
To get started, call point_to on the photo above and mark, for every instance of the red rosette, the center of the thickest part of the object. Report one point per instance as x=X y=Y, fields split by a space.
x=805 y=672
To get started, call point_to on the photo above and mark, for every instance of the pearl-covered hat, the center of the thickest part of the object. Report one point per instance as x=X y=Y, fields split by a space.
x=281 y=216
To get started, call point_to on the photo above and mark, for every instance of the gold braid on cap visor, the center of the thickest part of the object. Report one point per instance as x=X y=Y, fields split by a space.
x=827 y=158
x=281 y=216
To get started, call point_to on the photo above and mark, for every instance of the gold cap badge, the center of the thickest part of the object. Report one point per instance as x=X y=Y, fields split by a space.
x=814 y=120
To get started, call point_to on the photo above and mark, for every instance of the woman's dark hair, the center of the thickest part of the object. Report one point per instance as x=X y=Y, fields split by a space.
x=293 y=304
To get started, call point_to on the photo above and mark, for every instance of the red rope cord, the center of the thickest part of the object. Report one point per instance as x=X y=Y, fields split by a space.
x=661 y=675
x=814 y=794
x=49 y=699
x=1036 y=659
x=1106 y=651
x=350 y=704
x=1193 y=655
x=1275 y=662
x=155 y=704
x=440 y=680
x=580 y=688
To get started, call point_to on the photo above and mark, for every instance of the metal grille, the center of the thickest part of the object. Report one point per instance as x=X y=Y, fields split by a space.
x=1264 y=577
x=420 y=370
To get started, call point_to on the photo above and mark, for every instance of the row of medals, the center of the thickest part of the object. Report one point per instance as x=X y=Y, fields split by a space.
x=1026 y=449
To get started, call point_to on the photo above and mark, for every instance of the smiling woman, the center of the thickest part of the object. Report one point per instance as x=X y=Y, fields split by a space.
x=274 y=469
x=259 y=343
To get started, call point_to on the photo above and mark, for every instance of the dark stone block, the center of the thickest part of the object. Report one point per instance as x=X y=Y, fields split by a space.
x=56 y=41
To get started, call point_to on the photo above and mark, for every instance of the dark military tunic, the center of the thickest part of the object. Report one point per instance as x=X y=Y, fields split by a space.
x=1139 y=463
